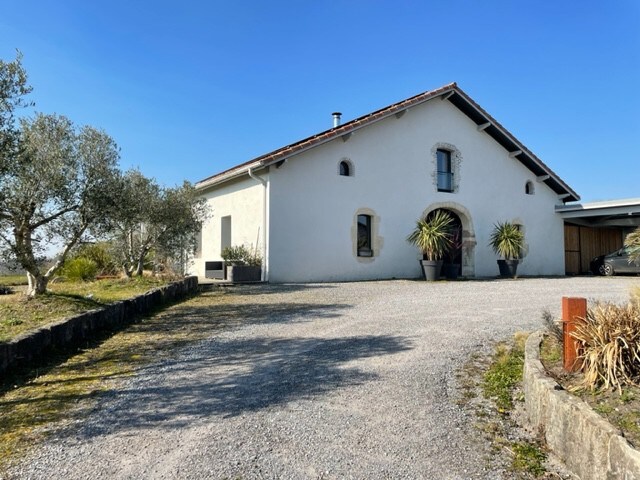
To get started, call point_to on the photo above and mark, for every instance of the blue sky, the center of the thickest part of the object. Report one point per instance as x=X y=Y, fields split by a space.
x=190 y=88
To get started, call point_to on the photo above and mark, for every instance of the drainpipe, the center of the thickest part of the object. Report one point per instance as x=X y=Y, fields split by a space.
x=265 y=260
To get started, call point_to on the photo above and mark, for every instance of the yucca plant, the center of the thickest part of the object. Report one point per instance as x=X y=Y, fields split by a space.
x=432 y=235
x=609 y=341
x=507 y=240
x=632 y=242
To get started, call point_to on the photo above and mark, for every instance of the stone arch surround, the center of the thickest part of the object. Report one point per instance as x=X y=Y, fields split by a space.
x=468 y=234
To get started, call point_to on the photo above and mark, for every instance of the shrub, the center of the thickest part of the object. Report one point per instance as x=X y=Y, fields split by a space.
x=100 y=253
x=241 y=255
x=609 y=340
x=80 y=268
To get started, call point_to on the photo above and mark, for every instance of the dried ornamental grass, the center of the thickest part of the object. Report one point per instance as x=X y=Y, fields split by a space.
x=609 y=342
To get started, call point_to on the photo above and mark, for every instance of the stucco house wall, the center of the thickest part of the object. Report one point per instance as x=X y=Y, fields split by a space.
x=298 y=210
x=313 y=209
x=243 y=201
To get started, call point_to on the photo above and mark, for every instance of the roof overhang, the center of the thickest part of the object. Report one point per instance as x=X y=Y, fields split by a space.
x=452 y=93
x=615 y=213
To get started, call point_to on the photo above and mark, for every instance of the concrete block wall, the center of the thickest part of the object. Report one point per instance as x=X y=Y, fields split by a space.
x=588 y=445
x=67 y=332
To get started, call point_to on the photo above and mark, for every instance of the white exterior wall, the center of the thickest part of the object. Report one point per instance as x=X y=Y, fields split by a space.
x=244 y=201
x=313 y=209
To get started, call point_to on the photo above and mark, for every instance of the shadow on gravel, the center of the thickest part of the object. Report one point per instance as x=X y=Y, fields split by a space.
x=228 y=378
x=269 y=288
x=229 y=312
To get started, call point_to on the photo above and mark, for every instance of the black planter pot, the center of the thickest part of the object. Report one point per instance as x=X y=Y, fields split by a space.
x=243 y=273
x=451 y=271
x=508 y=268
x=431 y=269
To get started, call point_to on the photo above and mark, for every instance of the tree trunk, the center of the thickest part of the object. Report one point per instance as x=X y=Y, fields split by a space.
x=140 y=267
x=37 y=284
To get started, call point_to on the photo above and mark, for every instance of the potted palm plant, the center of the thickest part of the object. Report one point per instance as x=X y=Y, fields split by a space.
x=507 y=240
x=433 y=237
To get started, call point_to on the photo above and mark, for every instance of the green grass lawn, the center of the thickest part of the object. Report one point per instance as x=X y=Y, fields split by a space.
x=11 y=280
x=35 y=404
x=19 y=314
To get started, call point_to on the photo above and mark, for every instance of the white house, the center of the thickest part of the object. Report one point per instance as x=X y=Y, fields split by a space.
x=301 y=204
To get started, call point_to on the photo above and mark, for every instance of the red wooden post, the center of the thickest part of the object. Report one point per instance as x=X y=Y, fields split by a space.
x=573 y=308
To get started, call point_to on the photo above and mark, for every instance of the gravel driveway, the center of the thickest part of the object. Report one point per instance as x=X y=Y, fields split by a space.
x=341 y=381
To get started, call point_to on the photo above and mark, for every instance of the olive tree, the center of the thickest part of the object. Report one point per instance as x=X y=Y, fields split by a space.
x=154 y=220
x=56 y=184
x=13 y=90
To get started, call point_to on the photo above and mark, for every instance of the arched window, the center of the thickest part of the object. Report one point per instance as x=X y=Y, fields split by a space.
x=345 y=168
x=528 y=188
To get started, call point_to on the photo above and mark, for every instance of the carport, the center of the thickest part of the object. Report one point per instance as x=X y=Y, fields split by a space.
x=596 y=228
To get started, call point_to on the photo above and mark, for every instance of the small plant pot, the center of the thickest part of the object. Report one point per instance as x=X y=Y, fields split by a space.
x=508 y=268
x=431 y=269
x=451 y=271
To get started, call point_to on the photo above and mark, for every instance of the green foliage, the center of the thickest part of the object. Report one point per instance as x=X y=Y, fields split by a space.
x=13 y=89
x=153 y=221
x=609 y=339
x=632 y=242
x=528 y=458
x=80 y=268
x=241 y=255
x=432 y=235
x=504 y=374
x=57 y=180
x=507 y=240
x=100 y=254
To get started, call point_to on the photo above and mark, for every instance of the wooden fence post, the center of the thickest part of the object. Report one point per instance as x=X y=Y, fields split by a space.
x=573 y=309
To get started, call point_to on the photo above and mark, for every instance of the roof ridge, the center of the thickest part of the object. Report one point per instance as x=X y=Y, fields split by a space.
x=331 y=133
x=459 y=98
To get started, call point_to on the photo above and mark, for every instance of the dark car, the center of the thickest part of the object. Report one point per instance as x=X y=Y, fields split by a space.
x=613 y=263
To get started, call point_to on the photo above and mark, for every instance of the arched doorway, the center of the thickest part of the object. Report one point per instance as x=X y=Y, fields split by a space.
x=464 y=252
x=452 y=267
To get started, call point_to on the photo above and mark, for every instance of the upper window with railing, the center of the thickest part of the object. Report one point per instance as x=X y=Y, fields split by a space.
x=444 y=170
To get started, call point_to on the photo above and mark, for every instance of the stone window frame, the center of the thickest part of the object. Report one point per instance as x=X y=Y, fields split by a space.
x=456 y=162
x=376 y=239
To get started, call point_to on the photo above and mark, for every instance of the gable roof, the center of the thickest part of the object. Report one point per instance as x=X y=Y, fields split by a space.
x=451 y=93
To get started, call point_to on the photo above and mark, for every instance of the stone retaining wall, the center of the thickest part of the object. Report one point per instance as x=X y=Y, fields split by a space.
x=30 y=346
x=588 y=445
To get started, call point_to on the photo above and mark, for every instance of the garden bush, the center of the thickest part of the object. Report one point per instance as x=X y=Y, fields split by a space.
x=241 y=255
x=609 y=340
x=100 y=253
x=80 y=268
